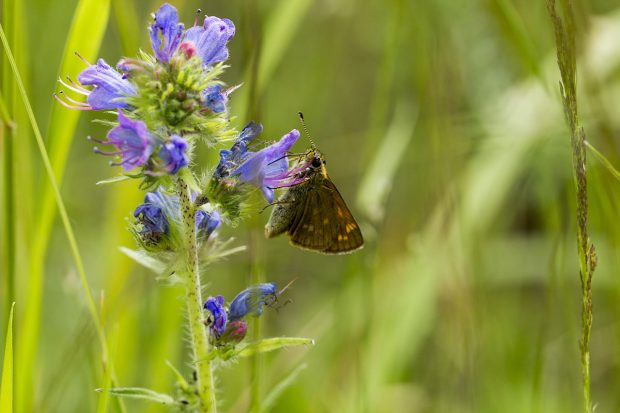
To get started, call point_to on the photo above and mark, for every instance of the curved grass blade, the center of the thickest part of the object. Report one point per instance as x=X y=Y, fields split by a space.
x=602 y=159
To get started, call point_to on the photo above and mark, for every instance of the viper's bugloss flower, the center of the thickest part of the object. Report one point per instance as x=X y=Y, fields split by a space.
x=268 y=168
x=215 y=305
x=108 y=92
x=166 y=32
x=235 y=331
x=207 y=222
x=230 y=159
x=214 y=99
x=209 y=40
x=134 y=142
x=251 y=301
x=173 y=154
x=152 y=218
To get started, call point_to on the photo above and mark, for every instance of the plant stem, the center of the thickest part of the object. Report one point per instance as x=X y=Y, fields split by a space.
x=193 y=289
x=565 y=31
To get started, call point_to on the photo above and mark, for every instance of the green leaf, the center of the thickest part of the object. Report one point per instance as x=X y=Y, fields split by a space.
x=180 y=379
x=112 y=180
x=6 y=391
x=275 y=343
x=140 y=393
x=145 y=260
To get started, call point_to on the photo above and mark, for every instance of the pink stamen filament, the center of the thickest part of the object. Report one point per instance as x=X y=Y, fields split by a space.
x=82 y=58
x=74 y=87
x=73 y=100
x=65 y=104
x=100 y=152
x=198 y=12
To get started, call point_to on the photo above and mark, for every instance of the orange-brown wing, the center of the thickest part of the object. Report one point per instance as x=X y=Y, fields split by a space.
x=324 y=223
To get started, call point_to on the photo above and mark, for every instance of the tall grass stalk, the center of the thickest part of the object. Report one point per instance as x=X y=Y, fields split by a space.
x=61 y=208
x=7 y=135
x=565 y=29
x=193 y=288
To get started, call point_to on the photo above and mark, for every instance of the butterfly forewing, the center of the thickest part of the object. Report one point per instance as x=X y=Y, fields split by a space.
x=324 y=223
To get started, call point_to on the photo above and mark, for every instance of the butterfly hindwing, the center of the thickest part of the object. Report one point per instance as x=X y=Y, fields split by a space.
x=324 y=222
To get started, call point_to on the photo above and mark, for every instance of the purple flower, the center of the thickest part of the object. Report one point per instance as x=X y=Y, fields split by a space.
x=230 y=159
x=166 y=32
x=152 y=217
x=207 y=222
x=209 y=40
x=134 y=142
x=109 y=88
x=173 y=155
x=235 y=332
x=216 y=307
x=268 y=168
x=214 y=99
x=251 y=301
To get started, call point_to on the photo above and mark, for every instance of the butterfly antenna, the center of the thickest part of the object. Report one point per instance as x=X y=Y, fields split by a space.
x=305 y=128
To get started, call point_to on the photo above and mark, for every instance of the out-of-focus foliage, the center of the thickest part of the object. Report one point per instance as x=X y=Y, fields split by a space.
x=442 y=126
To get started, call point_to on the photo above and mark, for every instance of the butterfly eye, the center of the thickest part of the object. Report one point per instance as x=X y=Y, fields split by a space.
x=316 y=162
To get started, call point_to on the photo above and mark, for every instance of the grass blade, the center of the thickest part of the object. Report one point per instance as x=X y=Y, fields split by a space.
x=279 y=32
x=6 y=391
x=376 y=183
x=31 y=340
x=602 y=159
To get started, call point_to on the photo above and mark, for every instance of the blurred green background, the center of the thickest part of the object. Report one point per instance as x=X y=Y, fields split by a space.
x=443 y=129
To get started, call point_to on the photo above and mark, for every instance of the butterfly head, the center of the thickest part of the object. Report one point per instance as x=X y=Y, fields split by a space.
x=316 y=162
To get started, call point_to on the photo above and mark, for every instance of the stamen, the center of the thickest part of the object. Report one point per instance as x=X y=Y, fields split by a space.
x=287 y=286
x=65 y=104
x=90 y=138
x=76 y=88
x=73 y=100
x=82 y=58
x=100 y=152
x=232 y=89
x=198 y=13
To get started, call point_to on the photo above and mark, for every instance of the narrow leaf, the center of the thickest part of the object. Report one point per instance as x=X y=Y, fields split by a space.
x=145 y=260
x=6 y=391
x=140 y=393
x=271 y=344
x=112 y=180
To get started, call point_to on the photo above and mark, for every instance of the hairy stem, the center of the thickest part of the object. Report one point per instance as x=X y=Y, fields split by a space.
x=565 y=30
x=198 y=333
